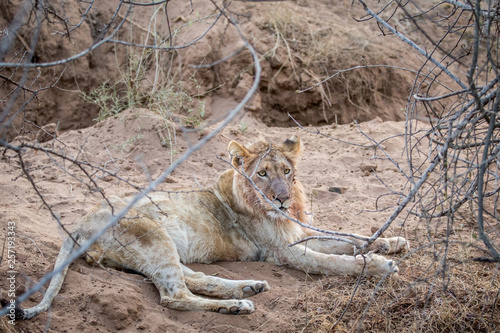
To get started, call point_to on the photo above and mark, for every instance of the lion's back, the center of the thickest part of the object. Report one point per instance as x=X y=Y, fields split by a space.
x=204 y=228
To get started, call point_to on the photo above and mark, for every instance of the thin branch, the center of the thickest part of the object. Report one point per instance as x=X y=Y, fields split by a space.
x=415 y=46
x=71 y=58
x=83 y=247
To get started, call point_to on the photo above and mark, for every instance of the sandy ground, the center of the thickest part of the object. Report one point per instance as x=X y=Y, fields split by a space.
x=133 y=146
x=350 y=188
x=96 y=300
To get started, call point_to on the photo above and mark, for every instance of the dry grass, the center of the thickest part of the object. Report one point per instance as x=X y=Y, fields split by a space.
x=145 y=84
x=148 y=80
x=320 y=51
x=429 y=295
x=5 y=326
x=319 y=46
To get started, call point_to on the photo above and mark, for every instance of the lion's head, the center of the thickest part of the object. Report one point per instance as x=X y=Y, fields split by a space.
x=271 y=167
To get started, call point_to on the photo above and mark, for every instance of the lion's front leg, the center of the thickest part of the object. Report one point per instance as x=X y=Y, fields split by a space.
x=333 y=246
x=310 y=261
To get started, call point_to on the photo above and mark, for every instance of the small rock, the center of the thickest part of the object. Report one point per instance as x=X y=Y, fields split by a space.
x=368 y=167
x=339 y=190
x=47 y=132
x=374 y=230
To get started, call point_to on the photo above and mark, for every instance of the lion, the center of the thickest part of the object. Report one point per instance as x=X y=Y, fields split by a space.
x=241 y=218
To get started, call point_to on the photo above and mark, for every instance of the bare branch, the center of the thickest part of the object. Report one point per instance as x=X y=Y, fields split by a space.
x=230 y=116
x=412 y=44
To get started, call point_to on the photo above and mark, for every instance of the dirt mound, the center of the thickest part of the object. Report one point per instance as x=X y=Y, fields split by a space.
x=299 y=44
x=58 y=99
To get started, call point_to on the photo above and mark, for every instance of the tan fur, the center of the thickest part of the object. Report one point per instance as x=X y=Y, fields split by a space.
x=229 y=221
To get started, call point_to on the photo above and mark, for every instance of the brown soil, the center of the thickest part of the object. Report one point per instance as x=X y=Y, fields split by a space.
x=93 y=299
x=343 y=181
x=299 y=43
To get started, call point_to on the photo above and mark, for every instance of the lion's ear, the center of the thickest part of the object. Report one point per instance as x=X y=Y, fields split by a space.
x=292 y=147
x=237 y=152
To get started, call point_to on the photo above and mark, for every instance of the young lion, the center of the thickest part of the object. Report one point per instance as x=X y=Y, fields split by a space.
x=229 y=221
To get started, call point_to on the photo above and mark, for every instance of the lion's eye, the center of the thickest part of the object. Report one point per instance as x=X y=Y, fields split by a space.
x=262 y=173
x=287 y=171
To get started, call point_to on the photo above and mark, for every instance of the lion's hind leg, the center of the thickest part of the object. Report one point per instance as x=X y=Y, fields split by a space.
x=170 y=281
x=174 y=294
x=183 y=299
x=140 y=244
x=214 y=286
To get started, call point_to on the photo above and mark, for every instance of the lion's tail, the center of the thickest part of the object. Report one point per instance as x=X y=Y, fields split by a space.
x=56 y=282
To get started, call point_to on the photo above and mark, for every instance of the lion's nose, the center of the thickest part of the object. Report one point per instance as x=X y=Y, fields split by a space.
x=280 y=191
x=282 y=198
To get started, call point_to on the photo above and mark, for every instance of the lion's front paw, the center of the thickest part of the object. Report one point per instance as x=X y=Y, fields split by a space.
x=398 y=244
x=255 y=288
x=241 y=307
x=377 y=265
x=389 y=245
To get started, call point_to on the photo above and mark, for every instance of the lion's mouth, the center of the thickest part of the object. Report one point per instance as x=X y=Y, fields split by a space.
x=282 y=206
